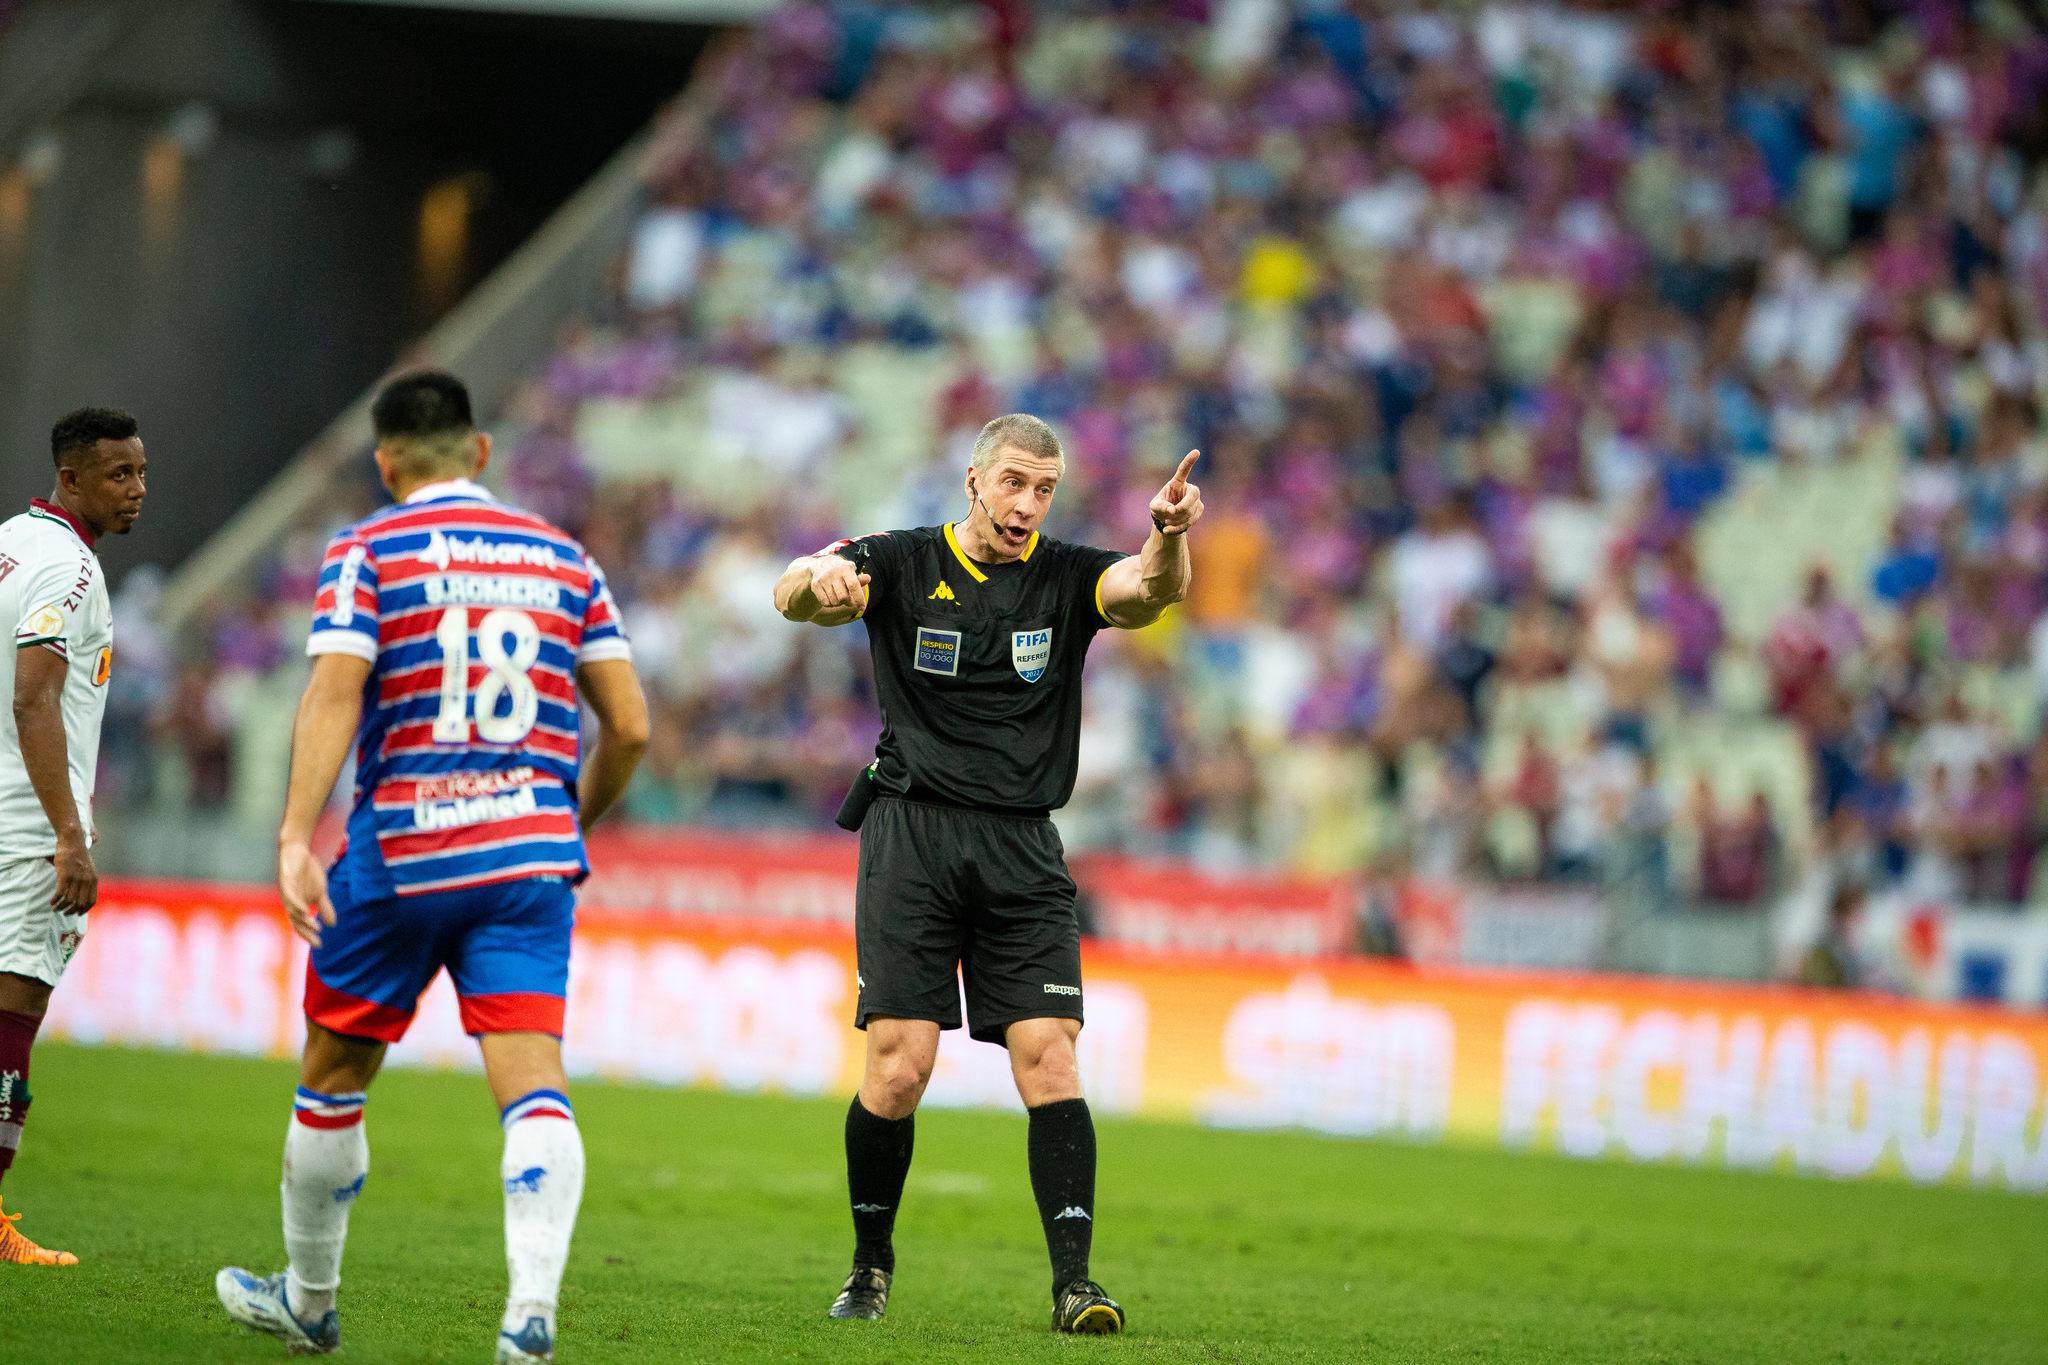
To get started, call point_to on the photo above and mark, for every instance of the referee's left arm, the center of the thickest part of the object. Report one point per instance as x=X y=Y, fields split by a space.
x=1136 y=590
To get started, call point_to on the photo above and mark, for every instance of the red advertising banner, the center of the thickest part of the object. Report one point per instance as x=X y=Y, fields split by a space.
x=694 y=872
x=810 y=877
x=1170 y=906
x=1845 y=1085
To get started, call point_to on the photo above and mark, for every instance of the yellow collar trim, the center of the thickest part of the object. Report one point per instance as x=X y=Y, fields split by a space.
x=973 y=569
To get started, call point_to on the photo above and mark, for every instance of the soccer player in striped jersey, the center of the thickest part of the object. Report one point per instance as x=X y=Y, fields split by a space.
x=453 y=640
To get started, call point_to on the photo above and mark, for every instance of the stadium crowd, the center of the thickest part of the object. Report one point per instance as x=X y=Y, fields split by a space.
x=1621 y=426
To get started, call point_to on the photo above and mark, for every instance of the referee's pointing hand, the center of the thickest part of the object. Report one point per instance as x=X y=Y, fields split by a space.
x=1178 y=505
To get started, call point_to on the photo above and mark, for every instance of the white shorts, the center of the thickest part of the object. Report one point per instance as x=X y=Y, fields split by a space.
x=35 y=941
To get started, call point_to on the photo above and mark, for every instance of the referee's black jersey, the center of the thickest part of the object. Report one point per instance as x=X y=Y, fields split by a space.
x=978 y=666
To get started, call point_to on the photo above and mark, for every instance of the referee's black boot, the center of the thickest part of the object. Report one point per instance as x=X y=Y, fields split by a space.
x=1084 y=1309
x=864 y=1295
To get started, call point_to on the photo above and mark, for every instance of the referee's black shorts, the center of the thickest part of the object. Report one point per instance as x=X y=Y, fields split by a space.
x=989 y=895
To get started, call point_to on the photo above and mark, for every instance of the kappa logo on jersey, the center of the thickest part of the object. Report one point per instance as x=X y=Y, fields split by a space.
x=938 y=651
x=1030 y=652
x=443 y=550
x=942 y=593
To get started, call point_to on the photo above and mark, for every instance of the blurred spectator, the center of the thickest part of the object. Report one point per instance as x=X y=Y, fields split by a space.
x=1630 y=657
x=1738 y=851
x=1535 y=787
x=1809 y=644
x=1685 y=609
x=1434 y=568
x=1908 y=568
x=1450 y=827
x=1880 y=801
x=193 y=722
x=1642 y=828
x=1832 y=963
x=1463 y=664
x=1991 y=816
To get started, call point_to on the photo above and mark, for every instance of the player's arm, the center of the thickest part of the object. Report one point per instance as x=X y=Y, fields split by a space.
x=1134 y=591
x=613 y=690
x=823 y=589
x=39 y=674
x=329 y=713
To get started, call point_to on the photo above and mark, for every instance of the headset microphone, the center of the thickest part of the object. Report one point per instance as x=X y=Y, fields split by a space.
x=975 y=492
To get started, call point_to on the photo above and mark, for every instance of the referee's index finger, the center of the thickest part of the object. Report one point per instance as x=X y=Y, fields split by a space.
x=1180 y=476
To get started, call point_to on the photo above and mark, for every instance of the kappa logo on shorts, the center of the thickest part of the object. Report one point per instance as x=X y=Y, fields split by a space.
x=1030 y=652
x=1051 y=989
x=938 y=651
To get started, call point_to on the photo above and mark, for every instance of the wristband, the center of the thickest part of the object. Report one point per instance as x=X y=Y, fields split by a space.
x=1160 y=527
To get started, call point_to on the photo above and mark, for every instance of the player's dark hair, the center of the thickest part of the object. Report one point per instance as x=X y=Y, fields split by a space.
x=77 y=433
x=425 y=403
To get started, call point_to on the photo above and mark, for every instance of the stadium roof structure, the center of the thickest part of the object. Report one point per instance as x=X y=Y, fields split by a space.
x=492 y=338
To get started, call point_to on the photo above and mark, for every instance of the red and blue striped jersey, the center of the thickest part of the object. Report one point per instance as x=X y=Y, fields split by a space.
x=474 y=616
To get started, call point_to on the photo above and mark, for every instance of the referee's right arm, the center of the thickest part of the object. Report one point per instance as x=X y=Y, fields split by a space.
x=822 y=589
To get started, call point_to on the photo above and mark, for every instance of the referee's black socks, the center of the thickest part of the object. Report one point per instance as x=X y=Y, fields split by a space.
x=877 y=1159
x=1063 y=1182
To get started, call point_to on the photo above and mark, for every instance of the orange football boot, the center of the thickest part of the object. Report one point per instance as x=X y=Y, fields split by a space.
x=16 y=1249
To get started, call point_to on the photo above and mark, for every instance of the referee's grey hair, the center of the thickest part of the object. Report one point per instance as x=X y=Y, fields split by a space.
x=1023 y=431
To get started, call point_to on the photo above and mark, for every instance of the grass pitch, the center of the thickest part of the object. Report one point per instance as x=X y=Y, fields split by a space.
x=714 y=1228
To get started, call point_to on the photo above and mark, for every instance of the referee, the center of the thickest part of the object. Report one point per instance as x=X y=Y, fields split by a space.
x=978 y=630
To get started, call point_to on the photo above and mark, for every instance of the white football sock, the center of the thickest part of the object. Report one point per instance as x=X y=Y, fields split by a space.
x=326 y=1158
x=543 y=1173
